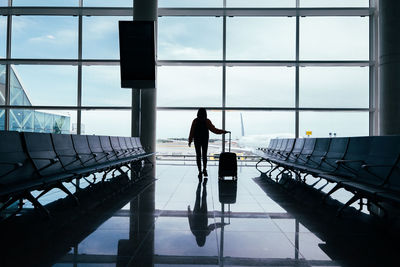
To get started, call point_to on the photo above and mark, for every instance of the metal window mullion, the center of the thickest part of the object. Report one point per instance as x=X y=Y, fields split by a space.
x=79 y=94
x=297 y=79
x=373 y=71
x=223 y=78
x=7 y=89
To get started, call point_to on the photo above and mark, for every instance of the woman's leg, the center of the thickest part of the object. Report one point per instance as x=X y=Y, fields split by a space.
x=197 y=146
x=204 y=149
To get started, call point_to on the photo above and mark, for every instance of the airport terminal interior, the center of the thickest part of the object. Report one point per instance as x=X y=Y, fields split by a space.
x=97 y=173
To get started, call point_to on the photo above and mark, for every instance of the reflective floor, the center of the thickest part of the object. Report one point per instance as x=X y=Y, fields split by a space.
x=177 y=221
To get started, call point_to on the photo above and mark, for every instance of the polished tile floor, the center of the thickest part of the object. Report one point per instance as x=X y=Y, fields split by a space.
x=253 y=231
x=176 y=221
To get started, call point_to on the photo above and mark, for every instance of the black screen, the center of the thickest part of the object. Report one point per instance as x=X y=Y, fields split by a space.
x=137 y=54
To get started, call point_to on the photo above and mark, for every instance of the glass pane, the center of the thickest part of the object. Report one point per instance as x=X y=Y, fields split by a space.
x=260 y=86
x=108 y=3
x=42 y=121
x=261 y=38
x=334 y=3
x=3 y=36
x=100 y=37
x=261 y=3
x=3 y=2
x=259 y=126
x=339 y=123
x=101 y=86
x=44 y=85
x=46 y=3
x=2 y=119
x=192 y=3
x=2 y=84
x=334 y=87
x=107 y=122
x=173 y=129
x=189 y=86
x=45 y=37
x=346 y=39
x=190 y=38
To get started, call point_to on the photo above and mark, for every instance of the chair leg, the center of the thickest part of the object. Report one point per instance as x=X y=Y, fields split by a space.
x=44 y=192
x=269 y=173
x=37 y=205
x=261 y=172
x=348 y=203
x=65 y=190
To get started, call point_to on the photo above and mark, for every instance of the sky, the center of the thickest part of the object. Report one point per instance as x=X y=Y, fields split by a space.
x=200 y=38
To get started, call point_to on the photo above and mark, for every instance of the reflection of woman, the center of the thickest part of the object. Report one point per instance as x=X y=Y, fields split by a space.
x=198 y=219
x=199 y=132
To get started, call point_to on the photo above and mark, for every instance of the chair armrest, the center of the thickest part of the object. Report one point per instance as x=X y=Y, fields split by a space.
x=339 y=161
x=16 y=164
x=365 y=166
x=52 y=160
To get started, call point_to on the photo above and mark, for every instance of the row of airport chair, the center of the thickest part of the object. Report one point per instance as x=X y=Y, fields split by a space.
x=368 y=166
x=43 y=161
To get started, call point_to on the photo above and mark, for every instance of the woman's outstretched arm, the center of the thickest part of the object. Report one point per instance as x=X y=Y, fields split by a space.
x=212 y=128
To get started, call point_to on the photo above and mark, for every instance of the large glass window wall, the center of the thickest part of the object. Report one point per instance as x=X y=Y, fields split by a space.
x=246 y=65
x=100 y=37
x=3 y=36
x=190 y=38
x=45 y=37
x=283 y=70
x=261 y=38
x=64 y=68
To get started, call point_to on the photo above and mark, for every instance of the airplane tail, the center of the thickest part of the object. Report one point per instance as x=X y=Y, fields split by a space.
x=241 y=121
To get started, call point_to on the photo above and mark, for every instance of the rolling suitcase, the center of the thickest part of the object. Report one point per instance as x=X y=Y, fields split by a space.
x=227 y=163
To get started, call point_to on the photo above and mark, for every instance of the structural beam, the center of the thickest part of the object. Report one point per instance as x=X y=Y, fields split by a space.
x=389 y=54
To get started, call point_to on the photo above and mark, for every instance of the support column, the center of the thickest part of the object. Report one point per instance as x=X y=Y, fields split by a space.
x=389 y=54
x=147 y=10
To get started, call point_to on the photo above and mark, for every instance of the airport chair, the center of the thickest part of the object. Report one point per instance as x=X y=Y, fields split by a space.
x=295 y=153
x=107 y=148
x=81 y=146
x=63 y=146
x=380 y=163
x=124 y=147
x=115 y=145
x=315 y=159
x=141 y=149
x=52 y=173
x=96 y=149
x=130 y=146
x=16 y=169
x=348 y=167
x=337 y=150
x=40 y=150
x=306 y=152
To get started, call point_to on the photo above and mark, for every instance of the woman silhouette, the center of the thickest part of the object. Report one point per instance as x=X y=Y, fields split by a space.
x=199 y=132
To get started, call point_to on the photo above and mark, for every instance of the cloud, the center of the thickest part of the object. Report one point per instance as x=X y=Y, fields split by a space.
x=45 y=38
x=95 y=28
x=169 y=50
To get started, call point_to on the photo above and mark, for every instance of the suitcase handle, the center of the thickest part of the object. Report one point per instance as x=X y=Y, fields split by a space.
x=229 y=141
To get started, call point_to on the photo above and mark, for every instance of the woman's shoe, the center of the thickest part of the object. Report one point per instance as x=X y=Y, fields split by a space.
x=205 y=173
